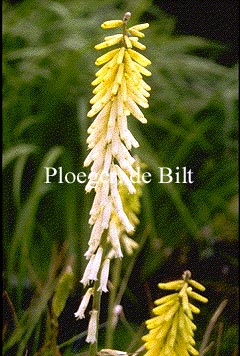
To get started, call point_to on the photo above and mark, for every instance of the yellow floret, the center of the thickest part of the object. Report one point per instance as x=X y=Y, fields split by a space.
x=111 y=24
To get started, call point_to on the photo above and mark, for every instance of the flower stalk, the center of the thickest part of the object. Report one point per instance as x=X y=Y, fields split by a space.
x=112 y=301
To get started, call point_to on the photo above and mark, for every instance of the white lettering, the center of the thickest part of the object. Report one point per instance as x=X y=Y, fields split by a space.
x=81 y=175
x=148 y=175
x=73 y=177
x=48 y=173
x=162 y=174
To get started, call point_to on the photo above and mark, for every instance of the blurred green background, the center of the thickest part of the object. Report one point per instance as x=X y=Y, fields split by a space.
x=48 y=65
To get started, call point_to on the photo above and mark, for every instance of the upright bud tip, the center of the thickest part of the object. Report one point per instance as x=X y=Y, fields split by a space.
x=126 y=16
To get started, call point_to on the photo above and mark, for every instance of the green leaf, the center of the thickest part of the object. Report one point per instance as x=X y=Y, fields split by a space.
x=16 y=151
x=62 y=292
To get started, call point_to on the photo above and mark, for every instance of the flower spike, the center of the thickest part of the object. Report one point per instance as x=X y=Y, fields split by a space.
x=171 y=331
x=119 y=90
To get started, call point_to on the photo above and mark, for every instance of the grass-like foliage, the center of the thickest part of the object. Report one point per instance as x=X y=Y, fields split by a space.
x=48 y=65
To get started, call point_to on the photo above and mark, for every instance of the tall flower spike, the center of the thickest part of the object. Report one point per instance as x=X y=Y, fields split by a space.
x=120 y=90
x=171 y=331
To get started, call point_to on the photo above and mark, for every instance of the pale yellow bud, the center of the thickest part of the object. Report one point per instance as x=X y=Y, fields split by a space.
x=137 y=44
x=175 y=285
x=167 y=298
x=135 y=32
x=111 y=24
x=106 y=57
x=127 y=42
x=140 y=27
x=197 y=296
x=114 y=40
x=196 y=285
x=138 y=57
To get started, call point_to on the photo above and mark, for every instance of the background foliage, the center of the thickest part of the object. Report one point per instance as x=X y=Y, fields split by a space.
x=48 y=65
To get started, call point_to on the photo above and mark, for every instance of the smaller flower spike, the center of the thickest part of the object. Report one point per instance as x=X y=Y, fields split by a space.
x=171 y=331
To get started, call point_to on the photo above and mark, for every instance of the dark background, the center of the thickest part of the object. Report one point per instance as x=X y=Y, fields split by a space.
x=215 y=20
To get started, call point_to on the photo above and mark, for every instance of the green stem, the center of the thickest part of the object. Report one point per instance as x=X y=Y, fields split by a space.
x=130 y=267
x=93 y=348
x=112 y=300
x=96 y=306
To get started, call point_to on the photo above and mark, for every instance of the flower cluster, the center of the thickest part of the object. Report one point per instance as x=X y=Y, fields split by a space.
x=172 y=329
x=119 y=91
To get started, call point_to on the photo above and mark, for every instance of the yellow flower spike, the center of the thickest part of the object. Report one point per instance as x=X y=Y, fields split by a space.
x=174 y=314
x=167 y=349
x=124 y=90
x=181 y=323
x=95 y=109
x=108 y=70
